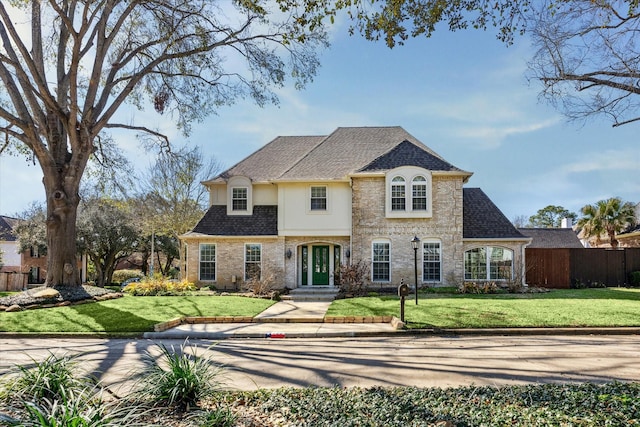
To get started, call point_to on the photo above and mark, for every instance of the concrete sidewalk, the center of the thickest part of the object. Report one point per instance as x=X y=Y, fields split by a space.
x=284 y=319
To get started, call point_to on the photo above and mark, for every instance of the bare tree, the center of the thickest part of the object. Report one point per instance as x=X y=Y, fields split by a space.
x=588 y=57
x=64 y=81
x=172 y=199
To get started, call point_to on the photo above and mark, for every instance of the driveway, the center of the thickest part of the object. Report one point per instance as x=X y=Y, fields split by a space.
x=423 y=361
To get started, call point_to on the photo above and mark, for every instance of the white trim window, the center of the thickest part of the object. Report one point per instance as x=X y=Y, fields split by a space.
x=431 y=261
x=419 y=193
x=252 y=261
x=318 y=198
x=398 y=194
x=381 y=261
x=207 y=261
x=408 y=193
x=239 y=199
x=488 y=263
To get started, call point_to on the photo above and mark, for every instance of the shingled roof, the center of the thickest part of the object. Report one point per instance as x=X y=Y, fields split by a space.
x=483 y=220
x=409 y=154
x=552 y=237
x=334 y=157
x=6 y=229
x=216 y=222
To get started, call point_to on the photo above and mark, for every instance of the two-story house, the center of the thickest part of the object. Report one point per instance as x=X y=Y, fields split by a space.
x=303 y=205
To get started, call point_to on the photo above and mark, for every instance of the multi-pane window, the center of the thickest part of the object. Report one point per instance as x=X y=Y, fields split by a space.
x=488 y=263
x=419 y=193
x=207 y=261
x=239 y=199
x=318 y=198
x=381 y=262
x=431 y=262
x=252 y=261
x=398 y=194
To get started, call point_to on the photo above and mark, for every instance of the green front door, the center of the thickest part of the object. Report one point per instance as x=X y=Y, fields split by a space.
x=320 y=264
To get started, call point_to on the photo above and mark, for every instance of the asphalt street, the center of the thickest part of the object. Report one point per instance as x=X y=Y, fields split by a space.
x=423 y=361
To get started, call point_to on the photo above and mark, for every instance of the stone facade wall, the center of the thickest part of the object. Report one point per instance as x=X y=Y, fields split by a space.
x=230 y=261
x=445 y=225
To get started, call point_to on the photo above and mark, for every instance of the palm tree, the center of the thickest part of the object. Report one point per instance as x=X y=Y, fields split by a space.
x=609 y=217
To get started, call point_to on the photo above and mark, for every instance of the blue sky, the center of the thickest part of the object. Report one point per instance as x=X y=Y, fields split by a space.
x=463 y=94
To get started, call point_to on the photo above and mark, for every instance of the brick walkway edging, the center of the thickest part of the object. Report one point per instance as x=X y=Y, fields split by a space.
x=161 y=327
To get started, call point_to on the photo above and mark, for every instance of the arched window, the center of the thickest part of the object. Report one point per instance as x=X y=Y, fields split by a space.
x=398 y=194
x=419 y=193
x=488 y=263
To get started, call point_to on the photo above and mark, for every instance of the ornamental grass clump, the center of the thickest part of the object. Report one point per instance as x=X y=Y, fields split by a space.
x=159 y=285
x=51 y=394
x=179 y=379
x=48 y=379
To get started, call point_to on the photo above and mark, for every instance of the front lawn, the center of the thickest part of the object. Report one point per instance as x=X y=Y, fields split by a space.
x=128 y=314
x=558 y=308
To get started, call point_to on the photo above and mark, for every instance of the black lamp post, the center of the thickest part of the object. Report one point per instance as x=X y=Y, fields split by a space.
x=415 y=242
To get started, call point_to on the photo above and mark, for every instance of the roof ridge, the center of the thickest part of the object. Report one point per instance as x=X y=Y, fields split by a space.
x=294 y=164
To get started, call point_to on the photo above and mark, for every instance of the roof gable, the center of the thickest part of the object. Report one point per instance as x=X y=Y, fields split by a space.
x=483 y=220
x=408 y=154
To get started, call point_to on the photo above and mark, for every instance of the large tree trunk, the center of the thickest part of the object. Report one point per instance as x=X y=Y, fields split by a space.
x=62 y=259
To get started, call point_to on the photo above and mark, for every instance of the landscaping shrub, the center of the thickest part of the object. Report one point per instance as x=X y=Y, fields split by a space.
x=634 y=278
x=261 y=283
x=159 y=285
x=178 y=379
x=352 y=279
x=479 y=288
x=120 y=276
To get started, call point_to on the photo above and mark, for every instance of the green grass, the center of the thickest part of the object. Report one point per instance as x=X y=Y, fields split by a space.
x=570 y=308
x=128 y=314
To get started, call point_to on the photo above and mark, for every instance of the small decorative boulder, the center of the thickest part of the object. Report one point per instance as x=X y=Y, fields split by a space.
x=47 y=293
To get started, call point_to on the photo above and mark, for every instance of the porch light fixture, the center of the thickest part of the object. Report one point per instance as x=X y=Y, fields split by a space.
x=347 y=253
x=289 y=253
x=415 y=242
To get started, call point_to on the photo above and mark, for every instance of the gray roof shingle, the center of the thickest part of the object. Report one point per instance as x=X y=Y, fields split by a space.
x=216 y=222
x=6 y=228
x=334 y=157
x=552 y=237
x=483 y=220
x=409 y=154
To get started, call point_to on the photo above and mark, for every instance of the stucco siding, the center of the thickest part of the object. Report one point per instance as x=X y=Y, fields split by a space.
x=296 y=218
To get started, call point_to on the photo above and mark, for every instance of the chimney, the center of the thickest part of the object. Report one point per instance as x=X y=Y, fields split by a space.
x=566 y=223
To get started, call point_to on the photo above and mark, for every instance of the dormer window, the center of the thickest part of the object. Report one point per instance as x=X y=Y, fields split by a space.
x=408 y=193
x=239 y=196
x=239 y=199
x=398 y=194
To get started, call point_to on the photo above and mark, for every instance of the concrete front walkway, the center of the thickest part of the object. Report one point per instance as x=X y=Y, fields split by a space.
x=284 y=319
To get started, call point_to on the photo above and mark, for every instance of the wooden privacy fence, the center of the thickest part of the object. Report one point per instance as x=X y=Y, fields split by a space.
x=13 y=281
x=566 y=268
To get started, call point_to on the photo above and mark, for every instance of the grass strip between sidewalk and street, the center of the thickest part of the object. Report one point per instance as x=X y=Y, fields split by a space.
x=127 y=314
x=602 y=307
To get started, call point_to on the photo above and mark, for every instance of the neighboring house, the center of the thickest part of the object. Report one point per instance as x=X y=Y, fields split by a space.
x=630 y=238
x=29 y=262
x=550 y=238
x=301 y=206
